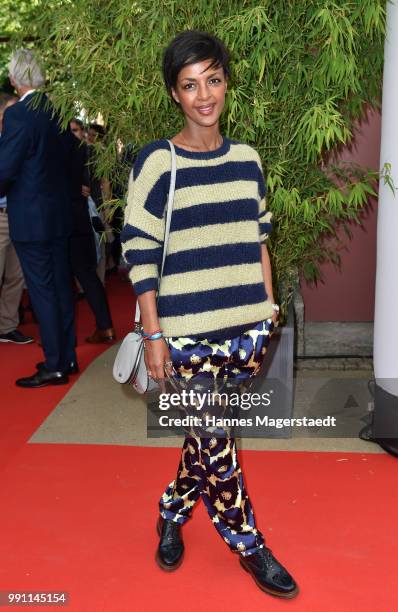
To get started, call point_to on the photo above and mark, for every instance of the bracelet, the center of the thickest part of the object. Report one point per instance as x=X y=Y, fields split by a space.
x=275 y=307
x=157 y=331
x=154 y=336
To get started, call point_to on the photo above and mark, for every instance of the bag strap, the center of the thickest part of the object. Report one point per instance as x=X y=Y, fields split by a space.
x=170 y=202
x=169 y=210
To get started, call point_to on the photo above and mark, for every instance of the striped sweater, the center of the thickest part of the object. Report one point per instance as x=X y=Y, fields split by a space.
x=212 y=283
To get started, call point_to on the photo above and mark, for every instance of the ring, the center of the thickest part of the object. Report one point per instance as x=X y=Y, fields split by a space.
x=168 y=364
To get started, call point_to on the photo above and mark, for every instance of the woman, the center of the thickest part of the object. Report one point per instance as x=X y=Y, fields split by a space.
x=215 y=311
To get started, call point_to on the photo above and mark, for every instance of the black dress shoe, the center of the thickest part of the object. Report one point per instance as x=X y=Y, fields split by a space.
x=43 y=378
x=170 y=552
x=73 y=367
x=269 y=575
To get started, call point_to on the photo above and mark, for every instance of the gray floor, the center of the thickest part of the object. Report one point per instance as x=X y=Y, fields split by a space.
x=338 y=338
x=97 y=410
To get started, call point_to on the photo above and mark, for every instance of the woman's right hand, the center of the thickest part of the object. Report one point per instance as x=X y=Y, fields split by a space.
x=156 y=356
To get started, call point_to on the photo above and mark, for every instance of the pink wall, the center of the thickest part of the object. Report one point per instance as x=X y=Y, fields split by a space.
x=348 y=295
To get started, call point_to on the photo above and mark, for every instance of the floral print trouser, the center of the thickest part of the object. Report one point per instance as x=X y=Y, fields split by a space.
x=209 y=467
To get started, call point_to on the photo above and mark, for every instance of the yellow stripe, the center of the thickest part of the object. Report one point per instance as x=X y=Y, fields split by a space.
x=217 y=192
x=266 y=218
x=217 y=278
x=237 y=152
x=143 y=272
x=204 y=322
x=213 y=235
x=141 y=244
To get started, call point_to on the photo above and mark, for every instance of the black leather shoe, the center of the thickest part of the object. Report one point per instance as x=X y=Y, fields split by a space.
x=269 y=575
x=43 y=378
x=73 y=367
x=170 y=552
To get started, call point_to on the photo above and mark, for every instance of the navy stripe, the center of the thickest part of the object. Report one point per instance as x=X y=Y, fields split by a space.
x=265 y=228
x=212 y=257
x=215 y=299
x=214 y=213
x=146 y=152
x=262 y=190
x=146 y=285
x=226 y=333
x=129 y=232
x=213 y=175
x=222 y=150
x=136 y=257
x=157 y=197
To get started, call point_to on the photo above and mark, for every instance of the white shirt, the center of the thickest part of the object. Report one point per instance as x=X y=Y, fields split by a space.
x=26 y=94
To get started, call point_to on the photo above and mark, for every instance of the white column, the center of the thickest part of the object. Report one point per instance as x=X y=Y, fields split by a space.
x=386 y=306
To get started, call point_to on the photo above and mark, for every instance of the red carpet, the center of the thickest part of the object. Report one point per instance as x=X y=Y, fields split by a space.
x=23 y=410
x=82 y=518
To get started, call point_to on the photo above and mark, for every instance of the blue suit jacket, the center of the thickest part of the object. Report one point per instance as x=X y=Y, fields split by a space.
x=36 y=167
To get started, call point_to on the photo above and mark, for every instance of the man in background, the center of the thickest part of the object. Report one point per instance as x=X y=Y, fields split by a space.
x=83 y=253
x=11 y=277
x=35 y=173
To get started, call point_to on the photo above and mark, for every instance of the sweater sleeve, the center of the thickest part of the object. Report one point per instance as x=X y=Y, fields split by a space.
x=143 y=233
x=264 y=215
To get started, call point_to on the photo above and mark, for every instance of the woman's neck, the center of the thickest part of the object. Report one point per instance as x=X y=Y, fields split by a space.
x=200 y=139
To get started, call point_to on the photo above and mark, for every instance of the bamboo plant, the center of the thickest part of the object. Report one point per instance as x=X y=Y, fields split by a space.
x=303 y=72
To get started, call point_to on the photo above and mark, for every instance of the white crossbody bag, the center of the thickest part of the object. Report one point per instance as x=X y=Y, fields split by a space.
x=129 y=366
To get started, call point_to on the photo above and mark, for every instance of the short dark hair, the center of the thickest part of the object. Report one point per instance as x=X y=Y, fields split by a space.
x=78 y=122
x=190 y=47
x=101 y=131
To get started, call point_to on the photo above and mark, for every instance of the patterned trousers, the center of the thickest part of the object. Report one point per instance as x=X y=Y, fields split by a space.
x=209 y=466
